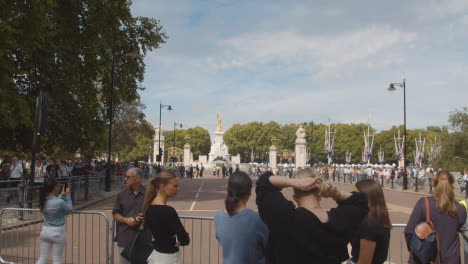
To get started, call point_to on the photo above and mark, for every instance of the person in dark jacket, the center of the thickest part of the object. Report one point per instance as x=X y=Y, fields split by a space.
x=307 y=234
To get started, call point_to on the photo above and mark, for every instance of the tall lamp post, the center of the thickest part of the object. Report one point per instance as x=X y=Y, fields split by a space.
x=180 y=126
x=132 y=54
x=392 y=88
x=169 y=108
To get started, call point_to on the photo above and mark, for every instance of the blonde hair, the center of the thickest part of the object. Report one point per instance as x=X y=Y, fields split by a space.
x=444 y=195
x=152 y=188
x=308 y=173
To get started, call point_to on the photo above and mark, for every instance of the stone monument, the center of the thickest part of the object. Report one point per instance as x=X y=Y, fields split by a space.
x=273 y=154
x=157 y=143
x=301 y=153
x=219 y=150
x=187 y=147
x=236 y=159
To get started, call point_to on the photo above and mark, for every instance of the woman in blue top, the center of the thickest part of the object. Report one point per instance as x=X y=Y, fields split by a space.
x=54 y=209
x=240 y=231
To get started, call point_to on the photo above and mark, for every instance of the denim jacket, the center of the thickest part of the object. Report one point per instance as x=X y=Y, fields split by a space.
x=55 y=209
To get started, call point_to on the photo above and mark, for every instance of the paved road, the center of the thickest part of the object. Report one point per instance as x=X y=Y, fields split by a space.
x=205 y=196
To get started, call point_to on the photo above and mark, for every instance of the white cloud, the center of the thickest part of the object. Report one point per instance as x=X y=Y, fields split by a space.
x=297 y=61
x=331 y=52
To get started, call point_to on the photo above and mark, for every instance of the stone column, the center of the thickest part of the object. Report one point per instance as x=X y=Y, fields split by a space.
x=187 y=152
x=301 y=153
x=187 y=155
x=273 y=158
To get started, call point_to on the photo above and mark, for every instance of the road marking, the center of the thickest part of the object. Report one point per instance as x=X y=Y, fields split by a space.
x=196 y=196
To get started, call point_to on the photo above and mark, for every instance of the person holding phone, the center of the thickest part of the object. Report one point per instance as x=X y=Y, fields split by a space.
x=53 y=234
x=127 y=209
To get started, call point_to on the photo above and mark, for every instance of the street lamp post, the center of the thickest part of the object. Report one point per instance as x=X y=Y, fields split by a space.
x=169 y=108
x=180 y=126
x=392 y=88
x=131 y=54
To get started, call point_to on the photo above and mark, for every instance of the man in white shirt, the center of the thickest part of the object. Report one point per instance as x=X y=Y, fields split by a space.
x=16 y=173
x=40 y=172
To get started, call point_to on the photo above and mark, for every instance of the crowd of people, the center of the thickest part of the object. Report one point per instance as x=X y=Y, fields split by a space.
x=280 y=232
x=284 y=232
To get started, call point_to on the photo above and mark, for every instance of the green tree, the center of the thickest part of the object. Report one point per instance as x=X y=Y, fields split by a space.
x=199 y=140
x=65 y=48
x=132 y=134
x=454 y=154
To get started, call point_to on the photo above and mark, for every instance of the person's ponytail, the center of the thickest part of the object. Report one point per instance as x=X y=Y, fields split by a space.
x=46 y=188
x=231 y=202
x=239 y=186
x=444 y=195
x=152 y=188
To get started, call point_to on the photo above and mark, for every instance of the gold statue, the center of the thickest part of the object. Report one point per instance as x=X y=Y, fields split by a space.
x=218 y=128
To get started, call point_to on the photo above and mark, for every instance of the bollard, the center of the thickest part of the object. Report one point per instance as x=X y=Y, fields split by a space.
x=430 y=185
x=72 y=185
x=466 y=186
x=86 y=194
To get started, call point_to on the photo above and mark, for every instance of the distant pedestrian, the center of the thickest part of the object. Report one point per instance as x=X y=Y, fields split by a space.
x=201 y=169
x=5 y=173
x=53 y=235
x=40 y=173
x=53 y=170
x=16 y=174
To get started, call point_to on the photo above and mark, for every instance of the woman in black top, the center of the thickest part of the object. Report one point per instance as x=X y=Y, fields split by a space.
x=371 y=242
x=307 y=234
x=162 y=220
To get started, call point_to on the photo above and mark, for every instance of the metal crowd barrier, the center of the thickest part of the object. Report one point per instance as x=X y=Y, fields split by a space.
x=88 y=237
x=83 y=187
x=203 y=247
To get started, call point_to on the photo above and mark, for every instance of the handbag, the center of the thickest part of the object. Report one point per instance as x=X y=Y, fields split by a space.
x=424 y=243
x=139 y=249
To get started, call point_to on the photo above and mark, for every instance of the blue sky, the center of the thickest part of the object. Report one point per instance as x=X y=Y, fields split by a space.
x=302 y=61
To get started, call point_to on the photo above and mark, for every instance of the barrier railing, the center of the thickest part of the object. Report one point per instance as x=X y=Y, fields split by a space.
x=83 y=187
x=203 y=247
x=89 y=239
x=88 y=236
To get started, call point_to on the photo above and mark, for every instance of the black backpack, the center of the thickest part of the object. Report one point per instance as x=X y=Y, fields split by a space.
x=424 y=244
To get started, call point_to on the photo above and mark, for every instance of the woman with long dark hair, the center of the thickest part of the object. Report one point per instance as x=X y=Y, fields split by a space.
x=249 y=245
x=446 y=215
x=162 y=220
x=370 y=244
x=54 y=209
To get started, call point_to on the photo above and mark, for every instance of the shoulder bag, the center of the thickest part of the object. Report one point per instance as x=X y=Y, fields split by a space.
x=424 y=243
x=139 y=249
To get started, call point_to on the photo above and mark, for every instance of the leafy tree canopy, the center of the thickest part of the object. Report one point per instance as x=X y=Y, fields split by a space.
x=65 y=48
